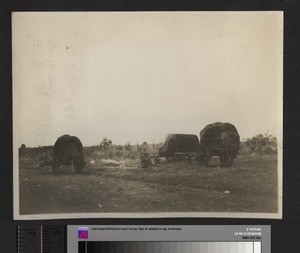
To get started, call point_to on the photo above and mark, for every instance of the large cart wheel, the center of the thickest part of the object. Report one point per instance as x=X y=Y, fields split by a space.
x=54 y=168
x=78 y=169
x=204 y=159
x=79 y=165
x=226 y=159
x=203 y=155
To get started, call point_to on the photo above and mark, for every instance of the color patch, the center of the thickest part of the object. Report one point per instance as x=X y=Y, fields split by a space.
x=83 y=233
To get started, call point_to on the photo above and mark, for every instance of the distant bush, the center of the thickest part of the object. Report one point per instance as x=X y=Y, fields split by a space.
x=106 y=144
x=33 y=157
x=119 y=152
x=262 y=144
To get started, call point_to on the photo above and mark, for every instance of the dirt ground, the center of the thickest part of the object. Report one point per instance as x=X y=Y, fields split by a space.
x=250 y=185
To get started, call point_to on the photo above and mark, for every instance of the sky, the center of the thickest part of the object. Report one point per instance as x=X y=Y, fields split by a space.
x=137 y=76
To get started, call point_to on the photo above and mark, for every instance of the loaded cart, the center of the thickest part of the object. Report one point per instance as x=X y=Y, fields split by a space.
x=219 y=139
x=68 y=150
x=179 y=145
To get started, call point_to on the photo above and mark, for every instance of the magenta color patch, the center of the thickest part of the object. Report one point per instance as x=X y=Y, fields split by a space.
x=83 y=233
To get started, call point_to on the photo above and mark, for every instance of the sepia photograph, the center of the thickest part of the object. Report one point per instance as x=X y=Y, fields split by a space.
x=147 y=114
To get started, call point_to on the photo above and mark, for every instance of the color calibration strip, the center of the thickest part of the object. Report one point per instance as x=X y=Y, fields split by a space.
x=168 y=247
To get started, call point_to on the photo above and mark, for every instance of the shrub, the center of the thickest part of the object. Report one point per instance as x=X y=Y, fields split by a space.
x=106 y=144
x=263 y=144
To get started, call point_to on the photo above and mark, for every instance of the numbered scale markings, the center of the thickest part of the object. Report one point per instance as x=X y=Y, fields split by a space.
x=37 y=239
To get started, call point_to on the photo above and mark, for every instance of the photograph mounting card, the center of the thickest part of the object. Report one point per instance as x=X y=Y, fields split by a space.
x=147 y=114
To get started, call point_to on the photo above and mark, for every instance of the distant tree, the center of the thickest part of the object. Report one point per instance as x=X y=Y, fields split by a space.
x=119 y=147
x=143 y=149
x=105 y=144
x=23 y=146
x=262 y=144
x=128 y=147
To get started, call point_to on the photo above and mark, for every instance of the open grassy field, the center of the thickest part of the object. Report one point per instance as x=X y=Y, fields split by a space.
x=250 y=185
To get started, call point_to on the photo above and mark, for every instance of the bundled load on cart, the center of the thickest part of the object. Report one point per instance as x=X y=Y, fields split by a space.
x=68 y=150
x=178 y=145
x=219 y=139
